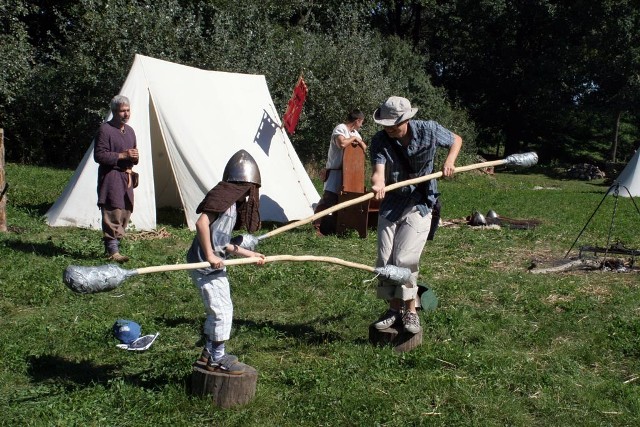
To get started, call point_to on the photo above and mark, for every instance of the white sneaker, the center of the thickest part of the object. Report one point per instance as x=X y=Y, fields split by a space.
x=387 y=320
x=411 y=322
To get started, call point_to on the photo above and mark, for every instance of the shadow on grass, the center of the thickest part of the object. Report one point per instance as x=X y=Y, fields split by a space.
x=73 y=375
x=36 y=211
x=68 y=373
x=172 y=322
x=45 y=249
x=553 y=172
x=302 y=332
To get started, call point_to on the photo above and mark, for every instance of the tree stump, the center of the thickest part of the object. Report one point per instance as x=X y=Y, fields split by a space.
x=225 y=390
x=397 y=337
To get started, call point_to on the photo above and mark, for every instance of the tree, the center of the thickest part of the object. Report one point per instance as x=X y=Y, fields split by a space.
x=16 y=62
x=613 y=68
x=85 y=49
x=525 y=70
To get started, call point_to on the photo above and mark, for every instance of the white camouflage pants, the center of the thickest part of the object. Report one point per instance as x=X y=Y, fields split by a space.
x=400 y=243
x=216 y=297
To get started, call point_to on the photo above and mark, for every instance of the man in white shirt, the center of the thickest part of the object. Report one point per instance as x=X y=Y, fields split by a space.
x=342 y=136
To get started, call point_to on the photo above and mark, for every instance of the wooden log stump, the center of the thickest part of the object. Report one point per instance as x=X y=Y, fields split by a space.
x=397 y=337
x=225 y=390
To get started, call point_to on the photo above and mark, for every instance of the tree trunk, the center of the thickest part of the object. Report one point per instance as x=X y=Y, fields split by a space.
x=417 y=23
x=614 y=150
x=397 y=18
x=513 y=135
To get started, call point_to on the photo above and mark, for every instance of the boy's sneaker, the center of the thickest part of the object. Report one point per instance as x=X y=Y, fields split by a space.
x=387 y=320
x=227 y=364
x=411 y=322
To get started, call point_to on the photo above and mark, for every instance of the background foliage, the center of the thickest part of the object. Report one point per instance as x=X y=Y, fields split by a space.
x=85 y=49
x=557 y=77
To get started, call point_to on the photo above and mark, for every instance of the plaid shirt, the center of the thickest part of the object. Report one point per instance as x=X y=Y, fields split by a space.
x=420 y=153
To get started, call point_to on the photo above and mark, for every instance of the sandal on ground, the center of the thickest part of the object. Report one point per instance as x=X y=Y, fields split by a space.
x=227 y=364
x=118 y=257
x=204 y=355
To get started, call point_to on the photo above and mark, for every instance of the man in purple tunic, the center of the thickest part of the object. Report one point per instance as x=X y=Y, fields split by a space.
x=116 y=152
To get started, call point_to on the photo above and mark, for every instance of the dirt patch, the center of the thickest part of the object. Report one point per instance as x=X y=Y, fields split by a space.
x=161 y=233
x=599 y=291
x=554 y=299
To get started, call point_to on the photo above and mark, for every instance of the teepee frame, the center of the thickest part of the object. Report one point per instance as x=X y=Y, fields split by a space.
x=615 y=190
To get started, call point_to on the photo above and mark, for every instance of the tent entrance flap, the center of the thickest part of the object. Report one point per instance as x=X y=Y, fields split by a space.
x=188 y=123
x=164 y=182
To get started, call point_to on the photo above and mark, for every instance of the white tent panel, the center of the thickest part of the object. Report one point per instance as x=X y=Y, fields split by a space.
x=630 y=177
x=86 y=213
x=188 y=123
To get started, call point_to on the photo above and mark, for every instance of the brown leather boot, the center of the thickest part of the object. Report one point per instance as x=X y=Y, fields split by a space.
x=117 y=257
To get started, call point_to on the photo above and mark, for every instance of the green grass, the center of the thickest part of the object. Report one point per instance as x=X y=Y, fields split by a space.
x=504 y=347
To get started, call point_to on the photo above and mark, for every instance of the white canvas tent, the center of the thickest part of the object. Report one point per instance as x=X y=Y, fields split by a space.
x=188 y=123
x=629 y=178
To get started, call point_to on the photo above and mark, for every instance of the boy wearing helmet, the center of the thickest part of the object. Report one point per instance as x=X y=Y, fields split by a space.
x=233 y=203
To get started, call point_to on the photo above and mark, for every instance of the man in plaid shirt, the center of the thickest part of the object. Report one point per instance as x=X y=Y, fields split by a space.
x=405 y=149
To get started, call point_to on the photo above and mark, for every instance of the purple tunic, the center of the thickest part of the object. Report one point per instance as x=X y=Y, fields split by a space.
x=113 y=190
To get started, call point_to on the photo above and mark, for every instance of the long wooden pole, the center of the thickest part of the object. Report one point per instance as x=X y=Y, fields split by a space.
x=370 y=195
x=91 y=280
x=252 y=260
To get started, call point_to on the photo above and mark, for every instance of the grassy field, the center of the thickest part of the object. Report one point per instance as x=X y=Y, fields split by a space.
x=504 y=347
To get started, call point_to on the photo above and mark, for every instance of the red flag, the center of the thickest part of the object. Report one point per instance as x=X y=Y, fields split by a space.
x=294 y=108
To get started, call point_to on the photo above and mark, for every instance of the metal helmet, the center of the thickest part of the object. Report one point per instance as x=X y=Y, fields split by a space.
x=478 y=219
x=242 y=167
x=492 y=214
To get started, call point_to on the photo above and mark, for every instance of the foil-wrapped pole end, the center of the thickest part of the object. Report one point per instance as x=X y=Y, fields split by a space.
x=91 y=280
x=246 y=241
x=523 y=159
x=399 y=275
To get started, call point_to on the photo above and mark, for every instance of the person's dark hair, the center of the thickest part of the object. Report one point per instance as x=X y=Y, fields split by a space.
x=354 y=115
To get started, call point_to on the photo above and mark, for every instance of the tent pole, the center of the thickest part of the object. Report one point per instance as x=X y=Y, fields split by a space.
x=616 y=185
x=616 y=193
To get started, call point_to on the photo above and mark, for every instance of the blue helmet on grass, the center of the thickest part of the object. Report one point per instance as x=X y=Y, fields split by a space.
x=126 y=331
